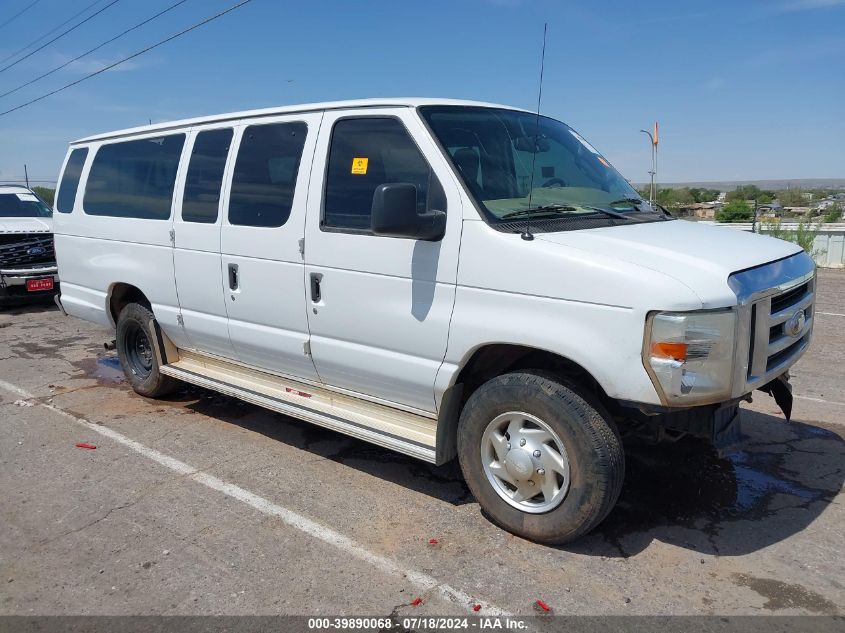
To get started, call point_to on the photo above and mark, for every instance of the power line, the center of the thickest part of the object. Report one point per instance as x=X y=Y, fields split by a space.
x=96 y=48
x=48 y=33
x=133 y=56
x=59 y=36
x=20 y=13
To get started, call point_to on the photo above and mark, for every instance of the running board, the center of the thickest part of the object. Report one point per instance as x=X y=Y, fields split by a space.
x=391 y=428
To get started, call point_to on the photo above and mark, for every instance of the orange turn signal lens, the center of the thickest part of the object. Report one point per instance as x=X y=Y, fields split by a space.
x=672 y=351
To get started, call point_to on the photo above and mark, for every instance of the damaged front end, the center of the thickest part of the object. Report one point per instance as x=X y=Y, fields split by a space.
x=719 y=424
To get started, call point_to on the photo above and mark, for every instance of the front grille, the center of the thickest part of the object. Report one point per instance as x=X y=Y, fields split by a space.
x=781 y=326
x=789 y=297
x=26 y=250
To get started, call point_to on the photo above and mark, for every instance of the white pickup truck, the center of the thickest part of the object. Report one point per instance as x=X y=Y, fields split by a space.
x=27 y=261
x=443 y=278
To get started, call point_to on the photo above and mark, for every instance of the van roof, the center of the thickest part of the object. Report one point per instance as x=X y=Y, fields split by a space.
x=408 y=102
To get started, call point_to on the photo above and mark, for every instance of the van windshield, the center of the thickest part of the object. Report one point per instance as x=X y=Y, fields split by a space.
x=493 y=151
x=23 y=205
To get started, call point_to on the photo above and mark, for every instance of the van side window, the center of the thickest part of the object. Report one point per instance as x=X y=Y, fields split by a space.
x=265 y=174
x=364 y=154
x=134 y=179
x=70 y=180
x=205 y=176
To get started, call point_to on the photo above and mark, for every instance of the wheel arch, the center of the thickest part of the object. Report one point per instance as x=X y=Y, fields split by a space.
x=490 y=360
x=121 y=294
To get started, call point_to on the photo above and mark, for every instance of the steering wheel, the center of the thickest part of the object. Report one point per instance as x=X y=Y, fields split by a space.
x=554 y=182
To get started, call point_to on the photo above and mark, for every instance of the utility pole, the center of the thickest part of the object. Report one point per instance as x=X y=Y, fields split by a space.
x=652 y=191
x=754 y=217
x=26 y=175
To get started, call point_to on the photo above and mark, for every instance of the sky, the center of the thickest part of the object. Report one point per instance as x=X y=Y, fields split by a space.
x=743 y=89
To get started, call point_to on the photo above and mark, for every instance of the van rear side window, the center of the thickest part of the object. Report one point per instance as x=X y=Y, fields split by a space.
x=205 y=176
x=70 y=180
x=265 y=174
x=134 y=179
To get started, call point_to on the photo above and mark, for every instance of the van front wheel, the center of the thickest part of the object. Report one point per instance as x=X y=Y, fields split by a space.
x=544 y=461
x=135 y=342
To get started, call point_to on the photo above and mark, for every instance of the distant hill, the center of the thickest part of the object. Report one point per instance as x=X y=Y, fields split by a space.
x=773 y=185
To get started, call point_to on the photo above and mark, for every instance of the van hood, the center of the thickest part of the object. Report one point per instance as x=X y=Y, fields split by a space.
x=26 y=225
x=702 y=257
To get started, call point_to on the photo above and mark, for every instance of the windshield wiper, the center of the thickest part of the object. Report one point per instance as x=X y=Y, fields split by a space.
x=634 y=202
x=612 y=214
x=553 y=209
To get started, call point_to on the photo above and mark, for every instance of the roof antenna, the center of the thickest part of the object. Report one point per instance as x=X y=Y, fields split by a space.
x=527 y=234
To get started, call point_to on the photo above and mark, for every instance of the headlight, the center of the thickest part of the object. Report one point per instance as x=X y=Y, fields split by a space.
x=690 y=355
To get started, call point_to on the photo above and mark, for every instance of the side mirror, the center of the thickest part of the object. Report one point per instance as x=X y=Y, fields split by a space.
x=394 y=214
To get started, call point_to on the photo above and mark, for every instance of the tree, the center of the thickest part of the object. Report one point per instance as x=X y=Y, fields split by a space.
x=735 y=211
x=703 y=195
x=744 y=192
x=792 y=198
x=675 y=198
x=46 y=194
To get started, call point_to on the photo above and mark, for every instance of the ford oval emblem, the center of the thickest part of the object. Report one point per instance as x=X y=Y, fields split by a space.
x=36 y=250
x=795 y=324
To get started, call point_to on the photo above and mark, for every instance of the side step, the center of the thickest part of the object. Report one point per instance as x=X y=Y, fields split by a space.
x=401 y=431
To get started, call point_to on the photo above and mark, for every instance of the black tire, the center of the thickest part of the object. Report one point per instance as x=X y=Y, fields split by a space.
x=134 y=342
x=591 y=440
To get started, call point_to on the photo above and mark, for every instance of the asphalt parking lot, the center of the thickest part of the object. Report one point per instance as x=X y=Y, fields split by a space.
x=200 y=504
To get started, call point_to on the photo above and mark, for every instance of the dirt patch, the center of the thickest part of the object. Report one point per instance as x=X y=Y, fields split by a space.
x=783 y=595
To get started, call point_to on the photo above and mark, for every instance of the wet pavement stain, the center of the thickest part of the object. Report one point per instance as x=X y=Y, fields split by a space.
x=755 y=481
x=686 y=485
x=781 y=595
x=105 y=369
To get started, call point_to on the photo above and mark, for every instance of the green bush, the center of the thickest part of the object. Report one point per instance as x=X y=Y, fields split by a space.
x=833 y=214
x=804 y=234
x=735 y=211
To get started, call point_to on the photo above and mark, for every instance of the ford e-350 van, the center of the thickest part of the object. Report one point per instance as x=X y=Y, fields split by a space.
x=443 y=278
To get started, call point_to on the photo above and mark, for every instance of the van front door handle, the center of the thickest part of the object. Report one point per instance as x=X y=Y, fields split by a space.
x=315 y=287
x=233 y=276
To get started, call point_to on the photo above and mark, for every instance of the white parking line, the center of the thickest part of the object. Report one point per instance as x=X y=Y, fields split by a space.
x=831 y=314
x=822 y=400
x=289 y=517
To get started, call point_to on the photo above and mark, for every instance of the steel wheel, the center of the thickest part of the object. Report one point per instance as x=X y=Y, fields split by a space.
x=139 y=351
x=525 y=462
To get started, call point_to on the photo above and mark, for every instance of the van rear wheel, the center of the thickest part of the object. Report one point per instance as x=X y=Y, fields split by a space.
x=543 y=460
x=135 y=348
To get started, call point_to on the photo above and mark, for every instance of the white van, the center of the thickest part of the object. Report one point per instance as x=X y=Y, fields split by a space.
x=443 y=278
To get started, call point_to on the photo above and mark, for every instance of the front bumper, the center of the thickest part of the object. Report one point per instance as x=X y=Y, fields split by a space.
x=13 y=282
x=719 y=424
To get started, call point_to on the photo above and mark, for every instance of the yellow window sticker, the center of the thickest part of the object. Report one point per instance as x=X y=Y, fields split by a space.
x=359 y=165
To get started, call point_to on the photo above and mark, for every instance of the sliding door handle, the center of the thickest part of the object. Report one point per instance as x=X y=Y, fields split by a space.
x=233 y=277
x=316 y=278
